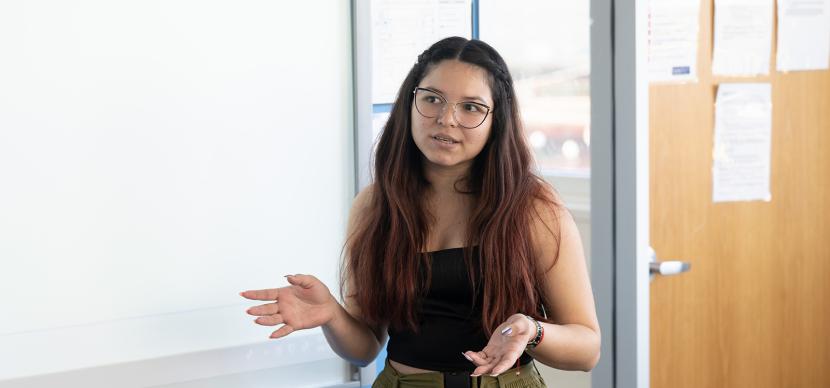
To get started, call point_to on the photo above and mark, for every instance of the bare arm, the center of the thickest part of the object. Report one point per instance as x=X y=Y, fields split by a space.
x=353 y=339
x=573 y=342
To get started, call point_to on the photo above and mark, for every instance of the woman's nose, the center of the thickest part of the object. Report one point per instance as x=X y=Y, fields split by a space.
x=447 y=116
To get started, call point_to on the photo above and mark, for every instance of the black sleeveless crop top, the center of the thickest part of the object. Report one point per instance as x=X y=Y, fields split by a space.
x=448 y=323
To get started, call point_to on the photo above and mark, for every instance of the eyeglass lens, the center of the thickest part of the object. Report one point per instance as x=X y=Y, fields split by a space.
x=467 y=114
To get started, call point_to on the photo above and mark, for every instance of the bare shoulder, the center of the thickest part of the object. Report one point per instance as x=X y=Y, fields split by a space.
x=360 y=205
x=365 y=195
x=361 y=202
x=552 y=227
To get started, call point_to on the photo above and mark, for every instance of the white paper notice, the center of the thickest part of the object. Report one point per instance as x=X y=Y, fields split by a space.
x=803 y=35
x=743 y=121
x=672 y=40
x=403 y=29
x=743 y=36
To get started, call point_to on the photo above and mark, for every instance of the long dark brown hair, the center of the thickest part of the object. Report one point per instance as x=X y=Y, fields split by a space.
x=384 y=254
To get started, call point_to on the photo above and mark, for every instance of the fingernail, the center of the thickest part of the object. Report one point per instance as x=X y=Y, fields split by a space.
x=475 y=375
x=466 y=356
x=507 y=331
x=286 y=276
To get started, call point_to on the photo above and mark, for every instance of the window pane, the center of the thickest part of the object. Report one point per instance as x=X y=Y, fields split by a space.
x=546 y=46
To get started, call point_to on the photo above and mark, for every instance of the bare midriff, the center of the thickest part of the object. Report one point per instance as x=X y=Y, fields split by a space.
x=406 y=369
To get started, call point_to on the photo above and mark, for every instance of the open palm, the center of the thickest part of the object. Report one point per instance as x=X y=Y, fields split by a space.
x=304 y=304
x=502 y=350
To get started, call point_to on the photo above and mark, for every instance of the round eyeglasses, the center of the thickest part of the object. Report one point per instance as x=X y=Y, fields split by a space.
x=467 y=114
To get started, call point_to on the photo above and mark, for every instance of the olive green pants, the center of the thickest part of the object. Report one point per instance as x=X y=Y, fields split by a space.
x=528 y=377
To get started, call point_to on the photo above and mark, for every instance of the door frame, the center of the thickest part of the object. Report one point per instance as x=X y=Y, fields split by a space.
x=620 y=191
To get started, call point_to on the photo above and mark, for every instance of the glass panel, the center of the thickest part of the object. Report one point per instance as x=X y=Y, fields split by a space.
x=547 y=46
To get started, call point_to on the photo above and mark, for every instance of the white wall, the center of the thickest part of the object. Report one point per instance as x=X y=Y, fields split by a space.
x=156 y=158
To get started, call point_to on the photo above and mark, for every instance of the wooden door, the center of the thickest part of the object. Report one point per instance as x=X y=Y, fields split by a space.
x=754 y=309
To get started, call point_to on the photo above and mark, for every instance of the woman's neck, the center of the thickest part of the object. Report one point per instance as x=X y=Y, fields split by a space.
x=443 y=179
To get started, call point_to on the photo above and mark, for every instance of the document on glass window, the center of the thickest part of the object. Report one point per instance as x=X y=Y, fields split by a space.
x=743 y=36
x=672 y=40
x=803 y=35
x=401 y=29
x=741 y=157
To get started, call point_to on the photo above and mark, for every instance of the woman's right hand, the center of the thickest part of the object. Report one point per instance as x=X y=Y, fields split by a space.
x=305 y=304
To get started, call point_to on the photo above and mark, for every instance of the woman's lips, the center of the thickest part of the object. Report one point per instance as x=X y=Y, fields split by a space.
x=444 y=139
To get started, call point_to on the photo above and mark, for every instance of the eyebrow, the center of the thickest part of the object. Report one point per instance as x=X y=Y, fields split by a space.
x=483 y=101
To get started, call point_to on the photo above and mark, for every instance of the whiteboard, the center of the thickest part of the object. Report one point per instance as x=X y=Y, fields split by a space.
x=156 y=158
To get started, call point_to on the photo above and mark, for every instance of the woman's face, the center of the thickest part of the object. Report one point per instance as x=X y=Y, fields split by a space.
x=442 y=140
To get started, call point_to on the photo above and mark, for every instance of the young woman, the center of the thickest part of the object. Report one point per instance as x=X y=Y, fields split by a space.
x=457 y=251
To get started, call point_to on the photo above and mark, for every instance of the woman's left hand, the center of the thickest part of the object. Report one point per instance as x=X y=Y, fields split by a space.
x=506 y=345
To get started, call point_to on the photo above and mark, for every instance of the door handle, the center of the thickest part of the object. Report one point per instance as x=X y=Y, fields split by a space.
x=665 y=268
x=673 y=267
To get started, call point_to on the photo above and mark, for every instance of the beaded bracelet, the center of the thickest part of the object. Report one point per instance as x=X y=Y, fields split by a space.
x=540 y=333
